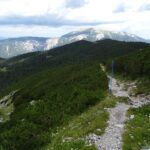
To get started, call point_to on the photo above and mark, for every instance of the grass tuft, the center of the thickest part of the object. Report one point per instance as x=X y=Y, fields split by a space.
x=137 y=130
x=73 y=135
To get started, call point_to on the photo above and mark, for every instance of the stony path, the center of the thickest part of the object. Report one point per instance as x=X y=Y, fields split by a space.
x=112 y=138
x=117 y=88
x=135 y=101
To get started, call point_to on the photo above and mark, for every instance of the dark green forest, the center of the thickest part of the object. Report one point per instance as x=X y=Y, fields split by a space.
x=135 y=66
x=78 y=52
x=57 y=95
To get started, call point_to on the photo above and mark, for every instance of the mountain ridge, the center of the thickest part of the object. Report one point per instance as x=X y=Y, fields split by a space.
x=15 y=46
x=80 y=51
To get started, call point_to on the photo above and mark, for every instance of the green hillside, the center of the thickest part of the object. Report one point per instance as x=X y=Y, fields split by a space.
x=135 y=66
x=54 y=87
x=78 y=52
x=49 y=99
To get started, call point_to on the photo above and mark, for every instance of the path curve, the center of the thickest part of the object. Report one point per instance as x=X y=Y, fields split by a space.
x=112 y=138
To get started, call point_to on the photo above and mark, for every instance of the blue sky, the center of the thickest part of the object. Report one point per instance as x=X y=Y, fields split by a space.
x=53 y=18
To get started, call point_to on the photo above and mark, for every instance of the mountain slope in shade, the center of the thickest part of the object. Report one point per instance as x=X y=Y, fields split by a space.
x=16 y=46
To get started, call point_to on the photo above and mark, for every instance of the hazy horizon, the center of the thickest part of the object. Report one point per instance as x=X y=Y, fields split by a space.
x=22 y=36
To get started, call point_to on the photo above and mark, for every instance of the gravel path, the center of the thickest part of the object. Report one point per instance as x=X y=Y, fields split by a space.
x=112 y=138
x=135 y=101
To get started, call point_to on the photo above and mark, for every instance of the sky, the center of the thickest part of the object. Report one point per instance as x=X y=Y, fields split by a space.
x=53 y=18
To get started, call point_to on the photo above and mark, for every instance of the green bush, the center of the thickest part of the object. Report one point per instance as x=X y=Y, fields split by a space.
x=47 y=100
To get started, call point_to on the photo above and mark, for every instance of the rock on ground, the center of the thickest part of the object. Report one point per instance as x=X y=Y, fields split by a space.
x=112 y=138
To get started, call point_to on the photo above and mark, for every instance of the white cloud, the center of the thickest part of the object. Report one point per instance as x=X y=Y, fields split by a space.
x=75 y=3
x=10 y=31
x=123 y=15
x=29 y=7
x=145 y=6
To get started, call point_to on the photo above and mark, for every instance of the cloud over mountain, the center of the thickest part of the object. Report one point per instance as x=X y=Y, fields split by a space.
x=74 y=14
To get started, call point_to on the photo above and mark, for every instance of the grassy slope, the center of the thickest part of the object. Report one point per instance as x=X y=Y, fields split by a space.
x=73 y=135
x=48 y=100
x=137 y=133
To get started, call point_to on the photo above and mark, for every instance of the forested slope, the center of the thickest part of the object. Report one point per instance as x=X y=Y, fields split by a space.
x=49 y=99
x=78 y=52
x=53 y=87
x=135 y=66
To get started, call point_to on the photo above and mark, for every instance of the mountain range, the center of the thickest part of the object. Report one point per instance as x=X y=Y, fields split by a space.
x=15 y=46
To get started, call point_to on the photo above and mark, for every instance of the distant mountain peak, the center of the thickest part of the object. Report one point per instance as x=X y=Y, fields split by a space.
x=16 y=46
x=97 y=34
